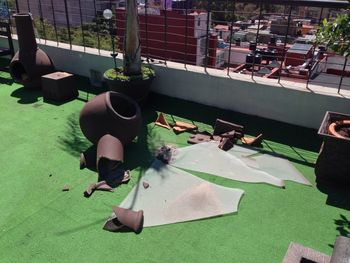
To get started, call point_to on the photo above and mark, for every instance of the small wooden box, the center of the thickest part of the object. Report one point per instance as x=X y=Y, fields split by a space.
x=59 y=86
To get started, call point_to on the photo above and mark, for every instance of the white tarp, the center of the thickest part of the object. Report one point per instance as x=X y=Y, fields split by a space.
x=176 y=196
x=206 y=157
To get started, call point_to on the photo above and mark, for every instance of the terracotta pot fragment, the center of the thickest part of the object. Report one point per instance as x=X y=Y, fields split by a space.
x=130 y=218
x=111 y=151
x=125 y=218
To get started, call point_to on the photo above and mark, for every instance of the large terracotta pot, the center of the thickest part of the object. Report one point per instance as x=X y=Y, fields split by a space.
x=30 y=62
x=111 y=113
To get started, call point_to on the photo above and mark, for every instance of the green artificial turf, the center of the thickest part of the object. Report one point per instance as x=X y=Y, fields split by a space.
x=40 y=145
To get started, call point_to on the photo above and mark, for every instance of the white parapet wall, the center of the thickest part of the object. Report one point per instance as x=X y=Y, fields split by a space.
x=289 y=102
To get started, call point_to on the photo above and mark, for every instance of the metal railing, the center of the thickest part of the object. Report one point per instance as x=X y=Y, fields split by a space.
x=189 y=34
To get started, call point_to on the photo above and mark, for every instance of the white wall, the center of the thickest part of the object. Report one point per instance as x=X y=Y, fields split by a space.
x=291 y=102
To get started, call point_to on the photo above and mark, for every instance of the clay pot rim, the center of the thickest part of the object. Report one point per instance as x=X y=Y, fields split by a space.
x=332 y=128
x=110 y=107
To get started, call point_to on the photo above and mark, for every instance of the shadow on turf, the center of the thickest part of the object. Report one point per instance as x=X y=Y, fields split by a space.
x=337 y=196
x=26 y=96
x=343 y=226
x=6 y=81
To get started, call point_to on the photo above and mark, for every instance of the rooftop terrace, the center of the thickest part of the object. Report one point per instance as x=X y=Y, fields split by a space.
x=41 y=143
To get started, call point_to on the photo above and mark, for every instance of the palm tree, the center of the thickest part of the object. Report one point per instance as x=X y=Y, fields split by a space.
x=132 y=47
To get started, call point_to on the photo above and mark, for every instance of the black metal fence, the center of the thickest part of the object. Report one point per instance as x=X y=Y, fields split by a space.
x=248 y=37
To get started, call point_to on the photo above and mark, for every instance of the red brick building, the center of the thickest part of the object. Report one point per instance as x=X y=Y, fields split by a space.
x=166 y=36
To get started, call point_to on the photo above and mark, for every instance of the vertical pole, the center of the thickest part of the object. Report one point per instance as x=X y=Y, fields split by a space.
x=186 y=32
x=17 y=6
x=313 y=51
x=285 y=43
x=256 y=38
x=42 y=21
x=81 y=24
x=28 y=6
x=342 y=74
x=97 y=28
x=207 y=35
x=68 y=24
x=231 y=35
x=165 y=32
x=54 y=21
x=146 y=28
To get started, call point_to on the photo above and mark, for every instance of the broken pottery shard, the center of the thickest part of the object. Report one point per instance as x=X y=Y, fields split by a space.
x=114 y=177
x=222 y=126
x=131 y=219
x=255 y=141
x=145 y=185
x=200 y=137
x=188 y=126
x=124 y=220
x=273 y=164
x=226 y=144
x=208 y=158
x=178 y=196
x=89 y=190
x=230 y=134
x=181 y=126
x=65 y=188
x=88 y=159
x=162 y=122
x=178 y=129
x=103 y=186
x=113 y=224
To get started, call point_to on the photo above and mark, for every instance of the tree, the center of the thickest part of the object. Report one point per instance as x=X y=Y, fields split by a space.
x=336 y=34
x=132 y=47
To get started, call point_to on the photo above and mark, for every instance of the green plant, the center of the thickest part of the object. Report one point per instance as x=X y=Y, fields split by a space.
x=336 y=34
x=118 y=74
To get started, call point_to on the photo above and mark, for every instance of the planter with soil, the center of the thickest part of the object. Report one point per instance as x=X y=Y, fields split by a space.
x=136 y=87
x=333 y=165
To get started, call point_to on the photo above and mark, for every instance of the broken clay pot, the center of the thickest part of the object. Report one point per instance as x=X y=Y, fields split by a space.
x=226 y=144
x=226 y=127
x=129 y=218
x=111 y=150
x=111 y=113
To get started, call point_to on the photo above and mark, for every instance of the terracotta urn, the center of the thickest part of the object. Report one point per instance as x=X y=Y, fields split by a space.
x=111 y=113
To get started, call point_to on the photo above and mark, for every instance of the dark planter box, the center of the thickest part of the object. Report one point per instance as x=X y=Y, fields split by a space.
x=137 y=89
x=59 y=86
x=333 y=162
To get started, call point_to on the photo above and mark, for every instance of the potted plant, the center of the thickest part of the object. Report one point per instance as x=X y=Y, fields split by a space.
x=132 y=78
